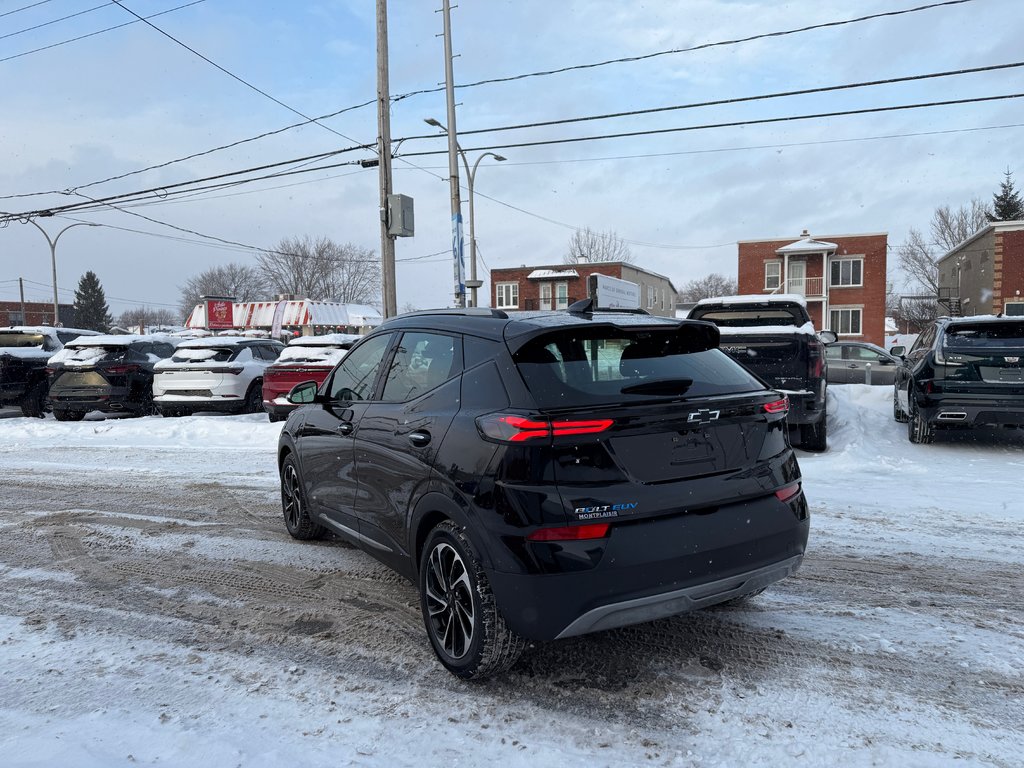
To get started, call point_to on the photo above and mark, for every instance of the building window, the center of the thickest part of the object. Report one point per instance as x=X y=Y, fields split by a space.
x=651 y=295
x=1013 y=308
x=772 y=275
x=508 y=295
x=15 y=318
x=561 y=295
x=846 y=273
x=846 y=321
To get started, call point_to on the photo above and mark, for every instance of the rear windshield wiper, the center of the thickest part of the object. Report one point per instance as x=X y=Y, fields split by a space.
x=659 y=387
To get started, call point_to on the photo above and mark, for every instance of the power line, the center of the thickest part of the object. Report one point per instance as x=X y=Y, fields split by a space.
x=732 y=124
x=99 y=32
x=55 y=21
x=163 y=190
x=24 y=8
x=701 y=47
x=106 y=295
x=229 y=73
x=397 y=98
x=739 y=99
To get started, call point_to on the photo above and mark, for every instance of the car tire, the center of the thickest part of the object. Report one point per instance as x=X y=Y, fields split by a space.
x=897 y=411
x=465 y=627
x=33 y=404
x=254 y=398
x=293 y=504
x=918 y=430
x=741 y=599
x=276 y=416
x=814 y=437
x=63 y=414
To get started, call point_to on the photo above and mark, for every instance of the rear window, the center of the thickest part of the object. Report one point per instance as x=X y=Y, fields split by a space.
x=23 y=340
x=319 y=355
x=984 y=335
x=203 y=355
x=86 y=355
x=750 y=318
x=610 y=366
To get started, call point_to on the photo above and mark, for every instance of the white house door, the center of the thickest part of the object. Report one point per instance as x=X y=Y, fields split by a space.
x=797 y=278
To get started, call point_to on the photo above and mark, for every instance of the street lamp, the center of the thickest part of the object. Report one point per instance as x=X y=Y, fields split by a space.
x=473 y=284
x=53 y=258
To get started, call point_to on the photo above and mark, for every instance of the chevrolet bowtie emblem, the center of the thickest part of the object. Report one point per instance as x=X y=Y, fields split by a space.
x=703 y=416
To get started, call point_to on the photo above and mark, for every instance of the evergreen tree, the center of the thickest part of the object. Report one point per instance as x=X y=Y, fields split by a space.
x=1006 y=204
x=91 y=310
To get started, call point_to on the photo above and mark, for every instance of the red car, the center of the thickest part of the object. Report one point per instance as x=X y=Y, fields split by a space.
x=307 y=358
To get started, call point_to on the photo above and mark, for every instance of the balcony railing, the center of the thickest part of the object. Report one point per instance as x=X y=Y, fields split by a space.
x=811 y=287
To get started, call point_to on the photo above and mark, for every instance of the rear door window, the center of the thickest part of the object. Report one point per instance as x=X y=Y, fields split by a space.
x=608 y=365
x=422 y=361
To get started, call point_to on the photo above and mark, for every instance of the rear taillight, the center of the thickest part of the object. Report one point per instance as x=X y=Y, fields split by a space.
x=510 y=428
x=118 y=370
x=570 y=533
x=777 y=406
x=232 y=371
x=815 y=361
x=788 y=493
x=50 y=371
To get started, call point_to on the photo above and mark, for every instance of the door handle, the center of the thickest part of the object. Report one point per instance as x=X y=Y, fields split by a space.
x=345 y=428
x=420 y=438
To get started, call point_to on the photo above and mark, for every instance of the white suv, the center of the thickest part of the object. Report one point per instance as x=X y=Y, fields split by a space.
x=221 y=373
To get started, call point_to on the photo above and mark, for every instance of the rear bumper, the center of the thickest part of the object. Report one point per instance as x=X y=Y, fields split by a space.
x=681 y=600
x=653 y=568
x=953 y=410
x=224 y=404
x=805 y=407
x=108 y=399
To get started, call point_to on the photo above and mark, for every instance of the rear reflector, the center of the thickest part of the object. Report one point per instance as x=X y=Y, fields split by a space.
x=510 y=428
x=570 y=533
x=777 y=406
x=787 y=493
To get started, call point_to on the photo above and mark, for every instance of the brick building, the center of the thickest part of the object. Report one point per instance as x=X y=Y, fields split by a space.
x=557 y=286
x=36 y=313
x=842 y=277
x=985 y=273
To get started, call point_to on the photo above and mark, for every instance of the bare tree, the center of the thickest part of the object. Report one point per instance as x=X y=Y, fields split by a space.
x=321 y=269
x=147 y=317
x=708 y=286
x=948 y=228
x=244 y=283
x=587 y=246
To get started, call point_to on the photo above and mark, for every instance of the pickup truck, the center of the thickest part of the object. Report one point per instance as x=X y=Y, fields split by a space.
x=773 y=337
x=24 y=351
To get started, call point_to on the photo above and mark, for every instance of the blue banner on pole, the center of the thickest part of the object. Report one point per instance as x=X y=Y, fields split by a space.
x=457 y=255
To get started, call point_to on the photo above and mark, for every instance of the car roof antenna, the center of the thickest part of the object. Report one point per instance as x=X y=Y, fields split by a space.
x=582 y=307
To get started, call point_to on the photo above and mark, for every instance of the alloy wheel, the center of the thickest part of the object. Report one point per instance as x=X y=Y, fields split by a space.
x=449 y=601
x=291 y=495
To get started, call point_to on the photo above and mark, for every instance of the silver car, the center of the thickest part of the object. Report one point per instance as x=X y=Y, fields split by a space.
x=858 y=362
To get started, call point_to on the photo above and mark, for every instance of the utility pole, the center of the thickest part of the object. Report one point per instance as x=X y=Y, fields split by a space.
x=21 y=287
x=387 y=242
x=453 y=162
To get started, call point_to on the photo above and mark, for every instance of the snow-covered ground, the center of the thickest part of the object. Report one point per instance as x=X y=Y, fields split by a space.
x=154 y=612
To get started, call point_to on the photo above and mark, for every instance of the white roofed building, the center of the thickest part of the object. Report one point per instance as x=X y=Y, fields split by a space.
x=300 y=317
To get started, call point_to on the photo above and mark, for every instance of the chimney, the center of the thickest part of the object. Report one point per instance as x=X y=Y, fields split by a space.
x=806 y=234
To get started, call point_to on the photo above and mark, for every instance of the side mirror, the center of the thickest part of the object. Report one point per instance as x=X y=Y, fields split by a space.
x=303 y=393
x=898 y=351
x=828 y=337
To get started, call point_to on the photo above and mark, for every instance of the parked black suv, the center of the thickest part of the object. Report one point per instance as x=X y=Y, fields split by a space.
x=111 y=373
x=24 y=351
x=964 y=372
x=541 y=475
x=774 y=338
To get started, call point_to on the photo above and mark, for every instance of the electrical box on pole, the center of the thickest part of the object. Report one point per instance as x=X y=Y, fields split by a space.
x=400 y=216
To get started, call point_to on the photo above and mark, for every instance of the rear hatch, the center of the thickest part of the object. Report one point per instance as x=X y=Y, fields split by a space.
x=21 y=352
x=983 y=357
x=773 y=339
x=650 y=421
x=298 y=364
x=88 y=371
x=195 y=371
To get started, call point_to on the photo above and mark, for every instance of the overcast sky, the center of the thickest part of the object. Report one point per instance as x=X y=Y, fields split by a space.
x=129 y=98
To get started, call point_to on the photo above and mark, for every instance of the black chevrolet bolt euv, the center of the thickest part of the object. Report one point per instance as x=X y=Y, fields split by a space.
x=541 y=475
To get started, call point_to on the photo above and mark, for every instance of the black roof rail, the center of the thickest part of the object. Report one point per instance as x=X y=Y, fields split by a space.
x=586 y=307
x=458 y=311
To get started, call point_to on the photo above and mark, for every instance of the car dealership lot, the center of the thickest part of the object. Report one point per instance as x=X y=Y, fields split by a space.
x=155 y=611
